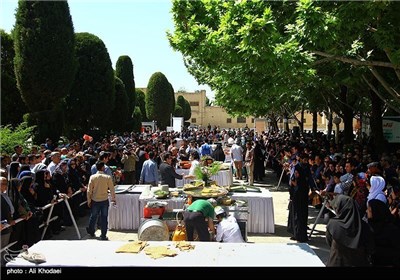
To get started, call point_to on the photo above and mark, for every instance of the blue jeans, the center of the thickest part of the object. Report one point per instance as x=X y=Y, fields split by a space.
x=102 y=208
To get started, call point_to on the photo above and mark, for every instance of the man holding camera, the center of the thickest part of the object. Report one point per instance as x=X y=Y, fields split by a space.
x=129 y=160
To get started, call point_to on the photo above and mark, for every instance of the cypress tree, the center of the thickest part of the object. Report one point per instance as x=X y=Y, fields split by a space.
x=44 y=62
x=187 y=111
x=124 y=71
x=120 y=115
x=92 y=97
x=158 y=100
x=141 y=103
x=137 y=119
x=12 y=106
x=178 y=111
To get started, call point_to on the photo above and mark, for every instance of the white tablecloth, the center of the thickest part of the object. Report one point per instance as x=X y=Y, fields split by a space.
x=130 y=211
x=94 y=253
x=223 y=178
x=125 y=216
x=261 y=211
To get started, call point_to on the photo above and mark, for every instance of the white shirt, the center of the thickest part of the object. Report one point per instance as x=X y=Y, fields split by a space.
x=237 y=152
x=228 y=231
x=194 y=164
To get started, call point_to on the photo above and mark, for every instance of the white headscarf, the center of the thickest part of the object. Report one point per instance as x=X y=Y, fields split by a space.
x=376 y=190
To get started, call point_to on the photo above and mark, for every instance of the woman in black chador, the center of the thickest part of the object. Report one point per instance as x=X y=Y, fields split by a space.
x=347 y=234
x=298 y=205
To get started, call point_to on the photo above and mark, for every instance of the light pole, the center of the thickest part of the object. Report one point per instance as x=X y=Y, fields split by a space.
x=337 y=120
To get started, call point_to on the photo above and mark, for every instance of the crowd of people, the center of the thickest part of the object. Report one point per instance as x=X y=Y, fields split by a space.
x=53 y=171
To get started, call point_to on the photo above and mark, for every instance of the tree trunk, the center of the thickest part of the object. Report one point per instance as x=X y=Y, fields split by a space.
x=330 y=124
x=301 y=123
x=378 y=141
x=286 y=124
x=314 y=124
x=348 y=115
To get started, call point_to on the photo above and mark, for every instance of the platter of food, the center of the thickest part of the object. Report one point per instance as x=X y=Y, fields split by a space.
x=204 y=192
x=160 y=194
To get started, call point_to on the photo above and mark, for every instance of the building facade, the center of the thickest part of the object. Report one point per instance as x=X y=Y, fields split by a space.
x=203 y=115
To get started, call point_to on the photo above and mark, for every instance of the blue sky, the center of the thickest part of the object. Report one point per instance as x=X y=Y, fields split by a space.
x=136 y=28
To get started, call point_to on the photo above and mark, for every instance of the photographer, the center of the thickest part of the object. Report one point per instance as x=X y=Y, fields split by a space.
x=129 y=160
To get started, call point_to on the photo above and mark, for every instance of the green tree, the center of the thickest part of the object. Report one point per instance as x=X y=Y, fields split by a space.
x=92 y=97
x=239 y=48
x=137 y=119
x=187 y=111
x=141 y=103
x=158 y=100
x=180 y=100
x=20 y=135
x=124 y=71
x=178 y=112
x=120 y=115
x=12 y=106
x=172 y=97
x=44 y=62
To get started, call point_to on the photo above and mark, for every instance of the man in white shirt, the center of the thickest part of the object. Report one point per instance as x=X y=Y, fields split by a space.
x=227 y=228
x=237 y=157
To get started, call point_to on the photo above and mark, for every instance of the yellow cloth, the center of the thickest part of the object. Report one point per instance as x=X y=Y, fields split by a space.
x=132 y=247
x=184 y=246
x=157 y=252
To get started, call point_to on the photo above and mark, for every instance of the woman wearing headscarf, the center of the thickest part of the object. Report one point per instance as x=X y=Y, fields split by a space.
x=29 y=194
x=298 y=205
x=347 y=234
x=218 y=154
x=46 y=194
x=76 y=184
x=13 y=170
x=385 y=234
x=22 y=210
x=60 y=181
x=377 y=184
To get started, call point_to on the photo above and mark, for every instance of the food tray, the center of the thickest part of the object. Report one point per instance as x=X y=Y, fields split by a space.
x=122 y=188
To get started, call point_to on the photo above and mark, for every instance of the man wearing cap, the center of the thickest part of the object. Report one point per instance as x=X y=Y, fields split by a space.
x=227 y=228
x=199 y=216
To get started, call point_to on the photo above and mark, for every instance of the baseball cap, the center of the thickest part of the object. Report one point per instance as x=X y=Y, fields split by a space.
x=212 y=201
x=219 y=210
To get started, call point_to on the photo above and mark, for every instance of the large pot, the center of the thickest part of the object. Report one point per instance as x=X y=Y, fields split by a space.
x=153 y=230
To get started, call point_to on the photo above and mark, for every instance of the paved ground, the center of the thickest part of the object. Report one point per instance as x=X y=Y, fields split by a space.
x=280 y=200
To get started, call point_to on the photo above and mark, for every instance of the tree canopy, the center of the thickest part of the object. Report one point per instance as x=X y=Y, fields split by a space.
x=45 y=64
x=120 y=115
x=271 y=51
x=158 y=100
x=124 y=71
x=12 y=106
x=92 y=97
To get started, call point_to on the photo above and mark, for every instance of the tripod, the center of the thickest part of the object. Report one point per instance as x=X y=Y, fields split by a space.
x=326 y=199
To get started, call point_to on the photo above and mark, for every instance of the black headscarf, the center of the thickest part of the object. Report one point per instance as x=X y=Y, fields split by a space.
x=346 y=227
x=380 y=214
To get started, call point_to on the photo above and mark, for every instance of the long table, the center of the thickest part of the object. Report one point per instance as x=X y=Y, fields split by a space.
x=130 y=211
x=126 y=214
x=261 y=211
x=94 y=253
x=223 y=178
